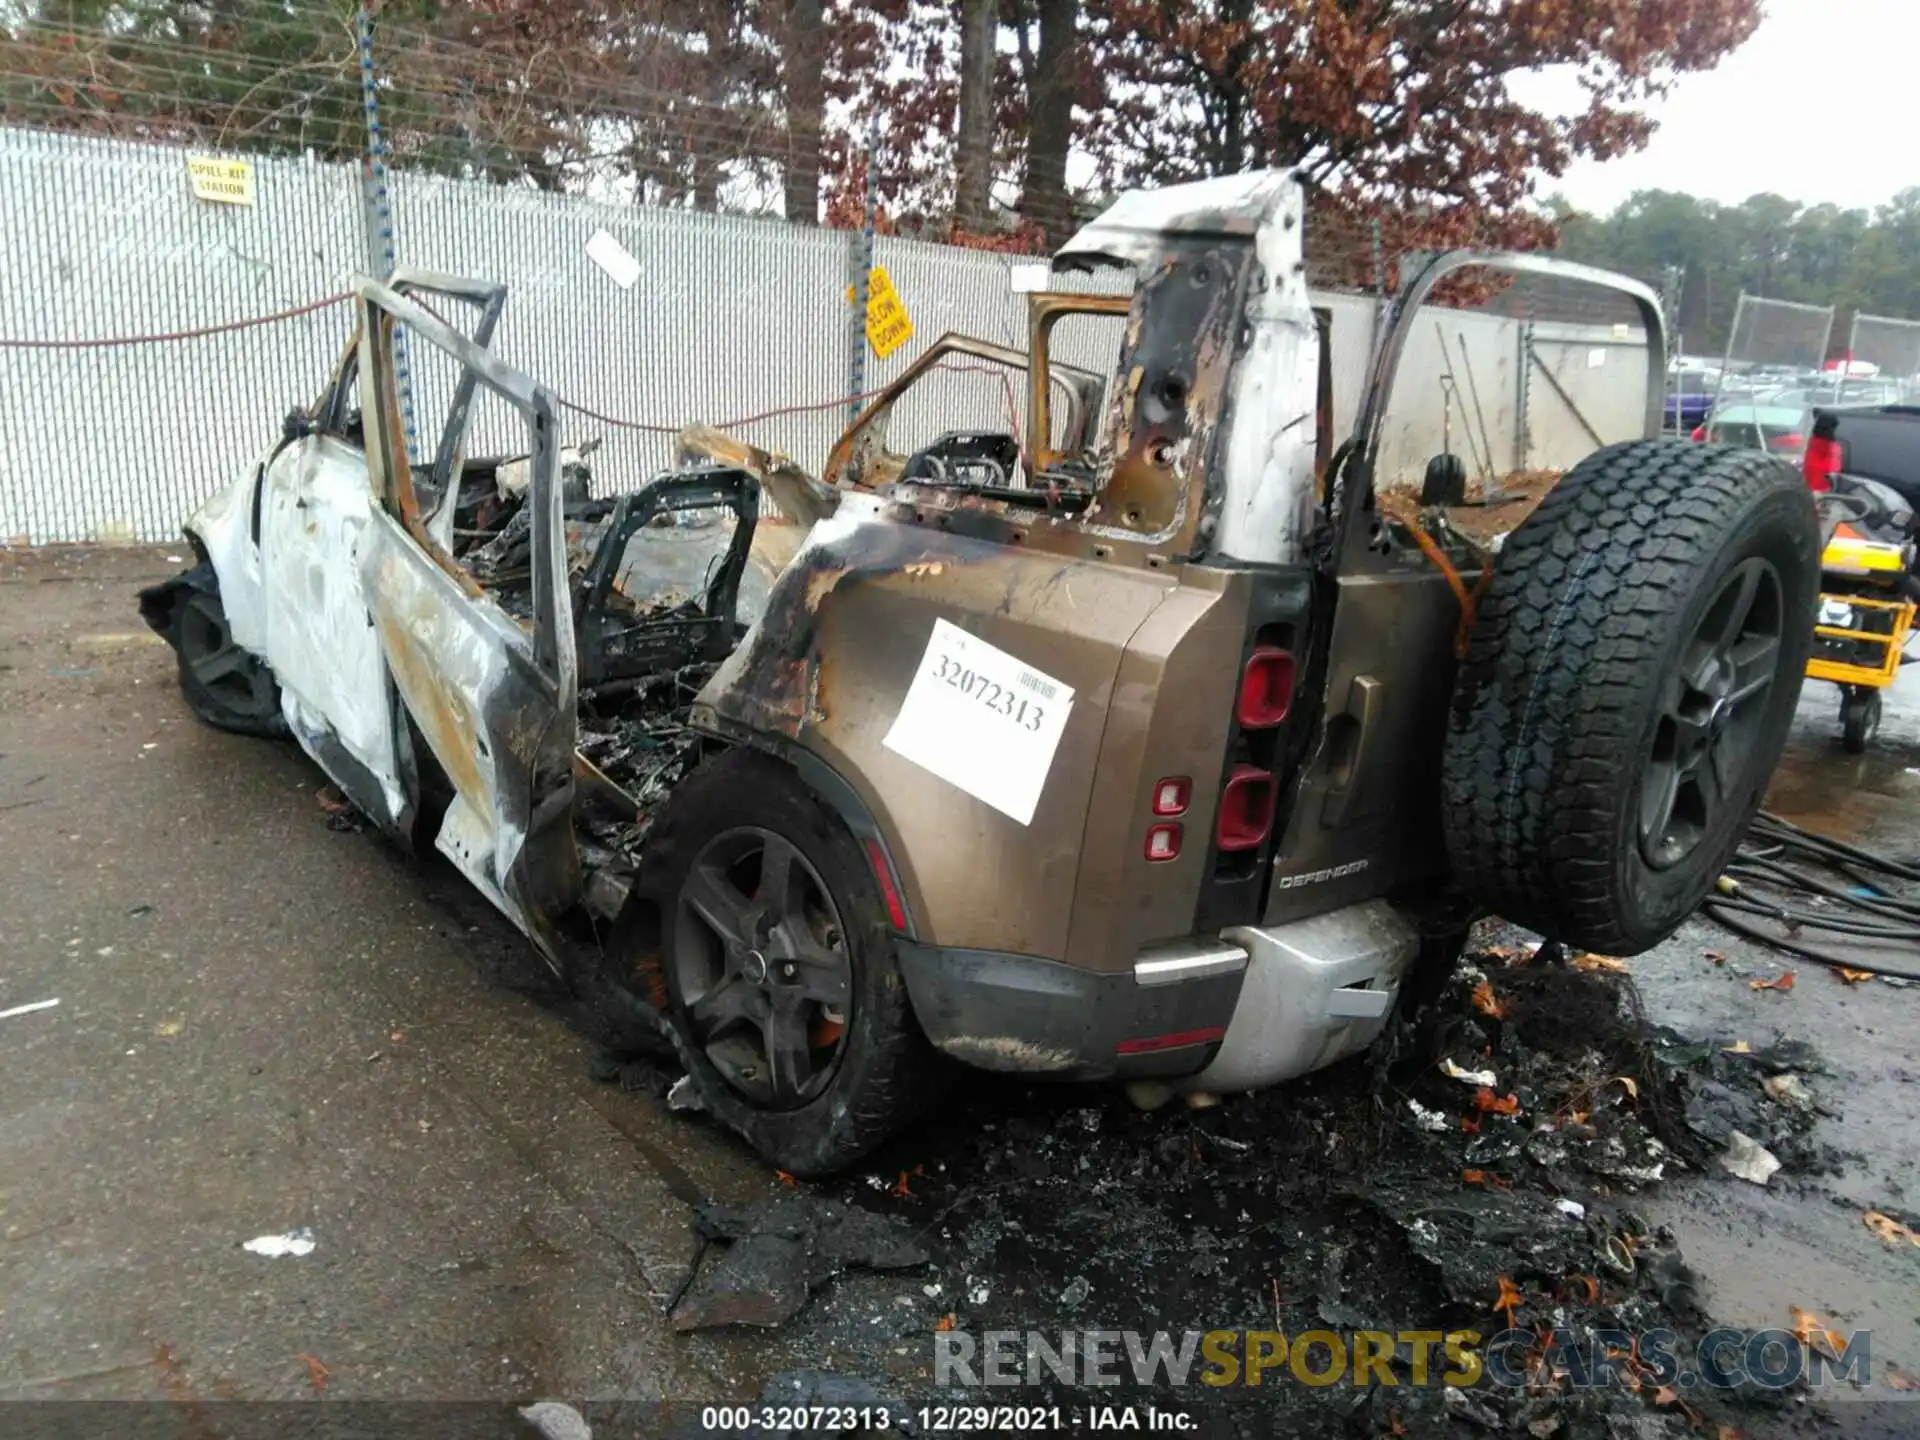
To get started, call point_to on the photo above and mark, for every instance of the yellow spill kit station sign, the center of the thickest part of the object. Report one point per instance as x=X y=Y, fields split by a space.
x=225 y=182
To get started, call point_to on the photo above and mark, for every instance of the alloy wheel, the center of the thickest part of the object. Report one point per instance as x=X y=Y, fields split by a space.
x=763 y=975
x=1712 y=711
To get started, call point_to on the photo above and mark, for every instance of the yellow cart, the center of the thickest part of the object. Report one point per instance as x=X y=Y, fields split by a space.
x=1865 y=619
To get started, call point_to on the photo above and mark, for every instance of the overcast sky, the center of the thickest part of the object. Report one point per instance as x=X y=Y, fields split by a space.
x=1820 y=105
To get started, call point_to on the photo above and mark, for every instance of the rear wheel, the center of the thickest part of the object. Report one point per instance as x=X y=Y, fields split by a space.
x=1629 y=683
x=775 y=967
x=760 y=967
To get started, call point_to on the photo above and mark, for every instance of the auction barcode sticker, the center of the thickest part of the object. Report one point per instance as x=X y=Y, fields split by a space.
x=982 y=720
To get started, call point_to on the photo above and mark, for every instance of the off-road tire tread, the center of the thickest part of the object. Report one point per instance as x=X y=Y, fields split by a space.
x=1570 y=642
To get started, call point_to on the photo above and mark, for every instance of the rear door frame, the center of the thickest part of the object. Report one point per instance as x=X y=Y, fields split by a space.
x=1396 y=323
x=1363 y=820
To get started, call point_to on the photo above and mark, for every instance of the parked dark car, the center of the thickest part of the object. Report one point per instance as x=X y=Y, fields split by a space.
x=1783 y=422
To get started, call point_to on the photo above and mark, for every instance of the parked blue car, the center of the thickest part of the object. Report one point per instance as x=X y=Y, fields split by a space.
x=1690 y=395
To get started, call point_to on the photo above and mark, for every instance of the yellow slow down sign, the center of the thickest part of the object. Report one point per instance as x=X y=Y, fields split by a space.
x=888 y=324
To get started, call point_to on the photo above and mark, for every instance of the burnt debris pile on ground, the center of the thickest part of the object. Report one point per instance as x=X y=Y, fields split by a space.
x=779 y=1251
x=1561 y=1048
x=1477 y=1172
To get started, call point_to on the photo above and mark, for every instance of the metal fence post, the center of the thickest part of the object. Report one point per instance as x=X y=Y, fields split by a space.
x=1673 y=284
x=1523 y=392
x=378 y=209
x=864 y=264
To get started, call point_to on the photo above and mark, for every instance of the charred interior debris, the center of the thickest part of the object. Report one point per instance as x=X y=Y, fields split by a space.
x=641 y=610
x=655 y=578
x=641 y=740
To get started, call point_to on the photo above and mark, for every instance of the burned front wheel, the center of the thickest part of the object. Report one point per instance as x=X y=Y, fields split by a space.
x=228 y=686
x=778 y=968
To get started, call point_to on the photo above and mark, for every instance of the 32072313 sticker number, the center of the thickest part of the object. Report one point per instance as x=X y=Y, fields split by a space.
x=1000 y=699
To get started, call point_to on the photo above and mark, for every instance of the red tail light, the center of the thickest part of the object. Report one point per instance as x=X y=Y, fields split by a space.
x=1823 y=461
x=1246 y=809
x=1266 y=688
x=1699 y=434
x=1163 y=841
x=1787 y=444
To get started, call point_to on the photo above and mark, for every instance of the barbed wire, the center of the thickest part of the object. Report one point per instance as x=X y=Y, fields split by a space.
x=408 y=50
x=159 y=87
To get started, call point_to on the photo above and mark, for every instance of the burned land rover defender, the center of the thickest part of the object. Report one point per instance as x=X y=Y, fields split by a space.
x=1142 y=740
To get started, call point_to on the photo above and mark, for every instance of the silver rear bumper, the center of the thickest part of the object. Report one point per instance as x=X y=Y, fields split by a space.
x=1315 y=991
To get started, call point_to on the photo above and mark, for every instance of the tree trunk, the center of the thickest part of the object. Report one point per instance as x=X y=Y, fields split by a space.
x=806 y=90
x=1230 y=154
x=972 y=201
x=1043 y=198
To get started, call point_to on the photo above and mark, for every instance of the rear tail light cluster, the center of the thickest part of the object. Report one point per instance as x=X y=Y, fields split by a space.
x=1247 y=801
x=1246 y=809
x=1791 y=444
x=1245 y=817
x=1266 y=688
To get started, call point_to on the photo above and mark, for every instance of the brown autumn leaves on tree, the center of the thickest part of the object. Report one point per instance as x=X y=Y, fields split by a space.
x=1396 y=110
x=1000 y=121
x=1400 y=110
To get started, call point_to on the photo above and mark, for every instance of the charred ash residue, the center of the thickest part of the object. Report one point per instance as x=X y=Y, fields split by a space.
x=1388 y=1194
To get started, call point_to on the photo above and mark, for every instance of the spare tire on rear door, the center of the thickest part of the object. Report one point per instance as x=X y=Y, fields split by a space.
x=1628 y=684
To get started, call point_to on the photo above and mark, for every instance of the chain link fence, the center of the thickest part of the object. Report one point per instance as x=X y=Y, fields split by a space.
x=104 y=242
x=1771 y=374
x=1774 y=344
x=722 y=319
x=1883 y=358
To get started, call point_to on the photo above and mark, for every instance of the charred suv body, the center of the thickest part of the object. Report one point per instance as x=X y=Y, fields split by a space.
x=1140 y=748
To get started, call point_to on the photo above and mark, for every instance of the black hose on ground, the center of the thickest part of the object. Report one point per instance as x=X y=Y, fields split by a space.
x=1722 y=915
x=1770 y=879
x=1786 y=877
x=1772 y=829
